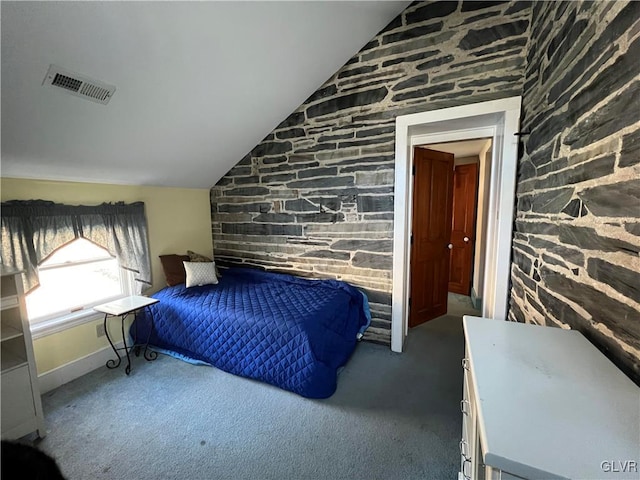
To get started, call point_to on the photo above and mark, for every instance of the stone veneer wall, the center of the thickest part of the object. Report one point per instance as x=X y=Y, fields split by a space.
x=577 y=230
x=315 y=197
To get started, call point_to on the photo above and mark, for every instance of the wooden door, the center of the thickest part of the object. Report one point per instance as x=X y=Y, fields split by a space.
x=432 y=209
x=463 y=229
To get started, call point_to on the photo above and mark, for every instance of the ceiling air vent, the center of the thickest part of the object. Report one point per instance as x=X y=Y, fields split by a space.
x=79 y=85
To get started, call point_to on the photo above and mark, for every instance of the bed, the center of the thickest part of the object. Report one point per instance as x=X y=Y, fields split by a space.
x=287 y=331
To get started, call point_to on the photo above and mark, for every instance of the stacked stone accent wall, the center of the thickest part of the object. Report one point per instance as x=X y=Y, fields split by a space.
x=577 y=230
x=315 y=197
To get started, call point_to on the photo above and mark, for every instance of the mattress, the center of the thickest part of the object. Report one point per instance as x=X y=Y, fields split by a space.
x=287 y=331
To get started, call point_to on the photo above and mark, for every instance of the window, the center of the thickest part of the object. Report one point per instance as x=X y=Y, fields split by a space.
x=75 y=278
x=32 y=229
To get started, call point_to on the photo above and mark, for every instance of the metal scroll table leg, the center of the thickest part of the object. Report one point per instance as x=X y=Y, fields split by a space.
x=127 y=369
x=111 y=363
x=150 y=355
x=136 y=343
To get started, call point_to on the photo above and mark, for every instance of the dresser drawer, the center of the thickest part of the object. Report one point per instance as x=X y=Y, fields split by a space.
x=469 y=455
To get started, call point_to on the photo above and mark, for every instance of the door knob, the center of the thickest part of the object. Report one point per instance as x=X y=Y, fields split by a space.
x=466 y=239
x=450 y=246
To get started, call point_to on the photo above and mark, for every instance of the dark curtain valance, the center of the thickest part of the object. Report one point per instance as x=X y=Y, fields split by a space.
x=34 y=229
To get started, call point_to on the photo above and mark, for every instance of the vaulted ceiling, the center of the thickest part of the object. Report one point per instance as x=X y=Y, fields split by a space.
x=198 y=84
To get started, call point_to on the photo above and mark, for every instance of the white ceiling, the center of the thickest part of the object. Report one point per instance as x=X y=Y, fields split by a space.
x=461 y=149
x=198 y=84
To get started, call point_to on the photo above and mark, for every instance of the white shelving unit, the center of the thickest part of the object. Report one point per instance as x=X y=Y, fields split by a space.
x=544 y=403
x=21 y=405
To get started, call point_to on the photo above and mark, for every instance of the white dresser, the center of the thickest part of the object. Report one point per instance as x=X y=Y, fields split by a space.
x=544 y=403
x=21 y=405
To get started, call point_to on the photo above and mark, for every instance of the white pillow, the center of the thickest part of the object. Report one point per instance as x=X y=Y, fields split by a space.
x=200 y=273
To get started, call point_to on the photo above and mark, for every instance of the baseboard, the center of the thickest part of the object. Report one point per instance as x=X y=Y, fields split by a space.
x=75 y=369
x=475 y=300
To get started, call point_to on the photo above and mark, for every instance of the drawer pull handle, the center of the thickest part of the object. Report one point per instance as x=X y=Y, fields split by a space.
x=462 y=407
x=465 y=474
x=465 y=363
x=464 y=449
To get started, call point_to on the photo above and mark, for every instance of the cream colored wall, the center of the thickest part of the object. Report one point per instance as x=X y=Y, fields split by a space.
x=179 y=219
x=484 y=181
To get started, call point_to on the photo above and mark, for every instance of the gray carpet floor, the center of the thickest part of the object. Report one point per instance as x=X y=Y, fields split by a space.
x=394 y=416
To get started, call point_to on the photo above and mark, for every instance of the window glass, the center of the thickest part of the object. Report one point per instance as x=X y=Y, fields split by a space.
x=75 y=277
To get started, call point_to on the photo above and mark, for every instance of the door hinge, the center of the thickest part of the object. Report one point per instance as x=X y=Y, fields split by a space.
x=412 y=239
x=413 y=170
x=409 y=302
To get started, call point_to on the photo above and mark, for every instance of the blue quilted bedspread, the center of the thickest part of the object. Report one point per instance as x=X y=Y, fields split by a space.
x=287 y=331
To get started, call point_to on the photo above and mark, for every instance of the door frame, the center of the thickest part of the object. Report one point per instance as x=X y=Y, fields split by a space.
x=498 y=119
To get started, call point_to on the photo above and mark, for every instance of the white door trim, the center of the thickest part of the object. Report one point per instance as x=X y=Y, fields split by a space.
x=498 y=119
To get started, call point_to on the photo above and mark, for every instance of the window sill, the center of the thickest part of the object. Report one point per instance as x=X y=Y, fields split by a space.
x=64 y=322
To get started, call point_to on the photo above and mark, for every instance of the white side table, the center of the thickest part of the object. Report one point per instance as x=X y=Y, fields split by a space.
x=123 y=308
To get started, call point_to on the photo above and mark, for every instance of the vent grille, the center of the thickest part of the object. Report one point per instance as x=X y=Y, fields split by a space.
x=79 y=85
x=94 y=91
x=66 y=82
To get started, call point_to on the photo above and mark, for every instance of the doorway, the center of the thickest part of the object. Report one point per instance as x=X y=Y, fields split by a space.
x=472 y=174
x=448 y=262
x=498 y=120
